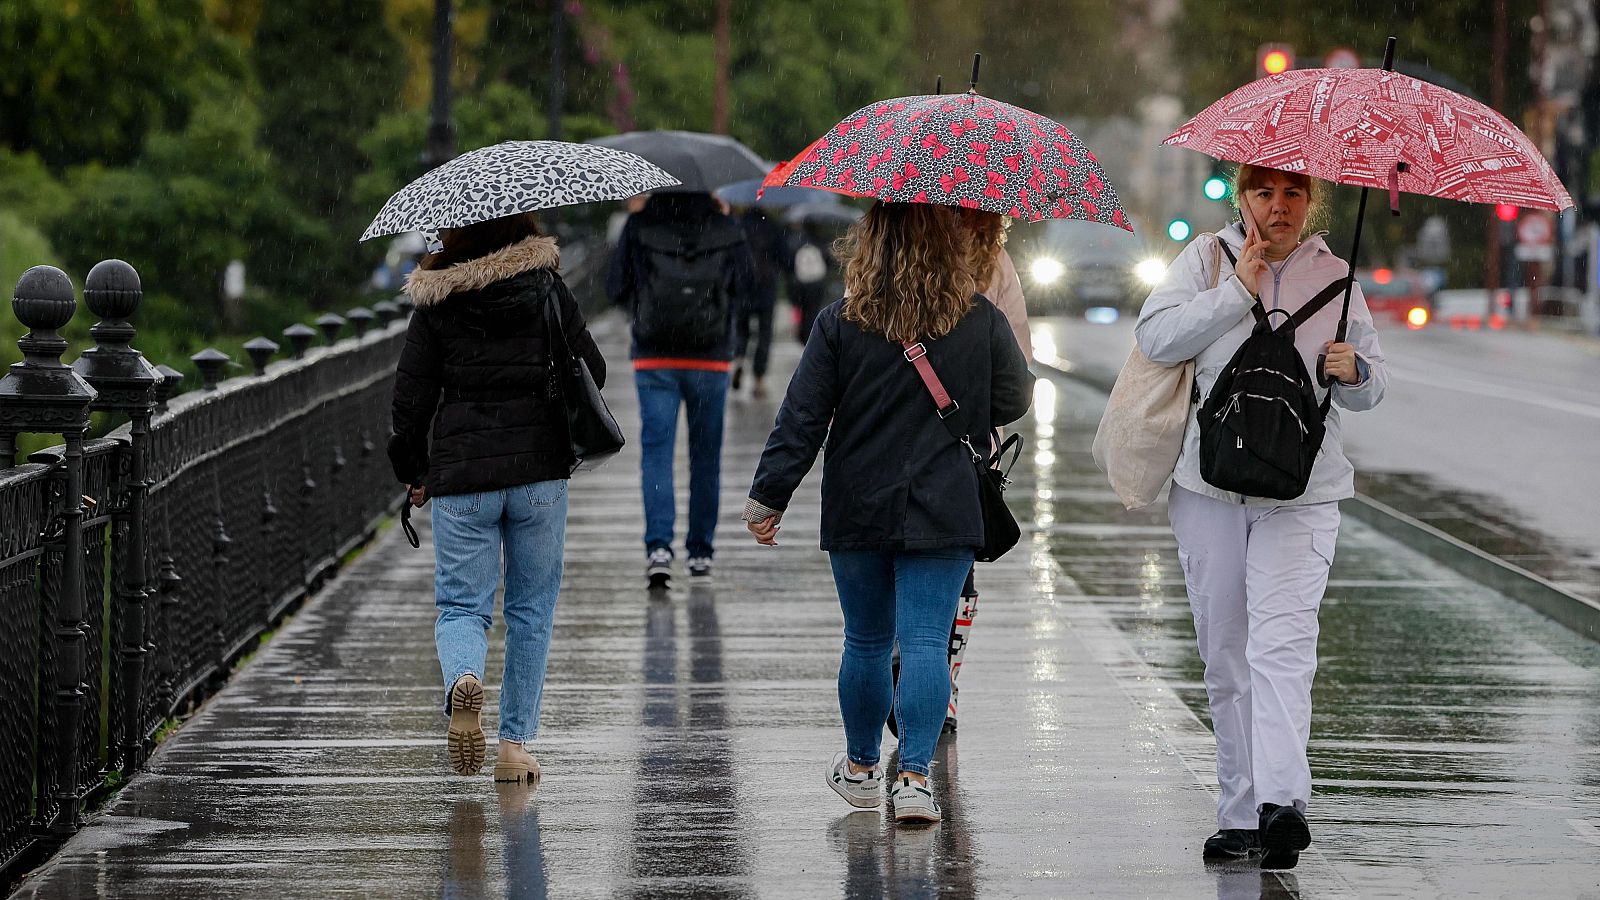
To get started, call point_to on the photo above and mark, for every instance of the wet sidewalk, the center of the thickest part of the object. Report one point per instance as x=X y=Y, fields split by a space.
x=683 y=741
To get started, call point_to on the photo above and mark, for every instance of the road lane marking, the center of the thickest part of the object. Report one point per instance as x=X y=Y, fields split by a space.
x=1484 y=389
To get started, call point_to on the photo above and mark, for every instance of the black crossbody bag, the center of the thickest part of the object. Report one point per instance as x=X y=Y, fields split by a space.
x=1000 y=530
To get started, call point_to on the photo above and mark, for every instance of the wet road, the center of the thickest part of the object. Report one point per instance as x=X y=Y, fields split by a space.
x=1455 y=744
x=684 y=736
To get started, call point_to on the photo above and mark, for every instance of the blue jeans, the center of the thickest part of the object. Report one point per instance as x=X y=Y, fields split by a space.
x=703 y=395
x=911 y=598
x=530 y=522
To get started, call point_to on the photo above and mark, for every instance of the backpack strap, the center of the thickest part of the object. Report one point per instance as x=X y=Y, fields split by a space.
x=1323 y=298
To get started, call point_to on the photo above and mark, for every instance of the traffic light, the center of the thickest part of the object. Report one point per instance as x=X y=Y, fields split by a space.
x=1179 y=230
x=1273 y=59
x=1215 y=188
x=1505 y=212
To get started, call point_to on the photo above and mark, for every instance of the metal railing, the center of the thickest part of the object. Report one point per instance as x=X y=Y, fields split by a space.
x=136 y=568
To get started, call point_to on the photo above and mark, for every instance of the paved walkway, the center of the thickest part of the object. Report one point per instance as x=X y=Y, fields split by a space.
x=683 y=742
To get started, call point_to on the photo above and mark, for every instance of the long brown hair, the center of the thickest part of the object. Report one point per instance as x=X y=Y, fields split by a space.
x=480 y=239
x=989 y=233
x=907 y=271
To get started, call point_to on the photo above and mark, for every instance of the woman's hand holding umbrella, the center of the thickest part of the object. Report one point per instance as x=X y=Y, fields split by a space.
x=1340 y=362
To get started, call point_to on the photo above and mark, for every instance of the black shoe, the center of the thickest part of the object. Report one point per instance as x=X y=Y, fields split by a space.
x=1284 y=834
x=738 y=377
x=949 y=726
x=1232 y=843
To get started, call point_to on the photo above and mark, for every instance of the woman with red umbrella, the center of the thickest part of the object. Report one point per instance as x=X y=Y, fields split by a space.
x=1256 y=567
x=900 y=513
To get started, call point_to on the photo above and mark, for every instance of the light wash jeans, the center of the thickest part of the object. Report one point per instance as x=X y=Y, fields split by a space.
x=910 y=597
x=469 y=530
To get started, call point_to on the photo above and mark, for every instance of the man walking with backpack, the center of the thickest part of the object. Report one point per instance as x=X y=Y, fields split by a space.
x=683 y=269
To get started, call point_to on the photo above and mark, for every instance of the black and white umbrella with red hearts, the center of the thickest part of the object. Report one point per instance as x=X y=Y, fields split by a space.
x=958 y=150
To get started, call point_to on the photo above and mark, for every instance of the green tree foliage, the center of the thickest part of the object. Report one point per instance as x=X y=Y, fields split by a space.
x=1062 y=58
x=329 y=69
x=85 y=80
x=198 y=199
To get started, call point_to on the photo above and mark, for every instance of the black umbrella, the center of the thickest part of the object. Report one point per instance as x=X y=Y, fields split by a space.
x=701 y=162
x=822 y=214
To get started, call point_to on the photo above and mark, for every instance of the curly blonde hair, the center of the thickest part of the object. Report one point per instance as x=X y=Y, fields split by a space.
x=907 y=271
x=989 y=233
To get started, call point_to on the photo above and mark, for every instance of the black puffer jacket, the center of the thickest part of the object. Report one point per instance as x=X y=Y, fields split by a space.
x=893 y=477
x=475 y=367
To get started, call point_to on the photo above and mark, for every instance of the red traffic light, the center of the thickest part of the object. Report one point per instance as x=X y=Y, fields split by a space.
x=1273 y=59
x=1505 y=212
x=1382 y=276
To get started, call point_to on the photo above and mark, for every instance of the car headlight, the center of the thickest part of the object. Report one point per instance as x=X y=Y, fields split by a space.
x=1046 y=270
x=1150 y=271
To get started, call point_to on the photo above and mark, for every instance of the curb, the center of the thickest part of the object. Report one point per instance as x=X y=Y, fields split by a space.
x=1580 y=614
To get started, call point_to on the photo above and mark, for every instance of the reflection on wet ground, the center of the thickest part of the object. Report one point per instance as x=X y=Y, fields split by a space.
x=1456 y=740
x=685 y=734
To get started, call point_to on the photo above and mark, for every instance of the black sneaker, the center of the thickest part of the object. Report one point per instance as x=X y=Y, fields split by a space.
x=1233 y=843
x=1284 y=834
x=700 y=567
x=658 y=567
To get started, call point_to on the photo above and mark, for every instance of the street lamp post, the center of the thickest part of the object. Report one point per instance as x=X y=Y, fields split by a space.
x=441 y=128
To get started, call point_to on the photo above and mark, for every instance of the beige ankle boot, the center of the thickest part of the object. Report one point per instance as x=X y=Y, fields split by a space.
x=465 y=740
x=516 y=765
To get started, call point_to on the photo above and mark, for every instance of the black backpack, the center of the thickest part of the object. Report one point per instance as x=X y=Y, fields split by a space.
x=683 y=298
x=1261 y=426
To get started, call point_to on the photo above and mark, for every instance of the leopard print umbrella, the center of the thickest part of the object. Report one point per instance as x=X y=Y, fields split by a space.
x=515 y=177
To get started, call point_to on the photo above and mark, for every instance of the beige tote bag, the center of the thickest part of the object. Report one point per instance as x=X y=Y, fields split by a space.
x=1141 y=433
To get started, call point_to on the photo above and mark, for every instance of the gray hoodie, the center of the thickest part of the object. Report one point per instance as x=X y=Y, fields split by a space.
x=1183 y=319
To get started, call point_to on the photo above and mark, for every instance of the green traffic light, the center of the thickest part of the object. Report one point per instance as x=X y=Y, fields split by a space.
x=1178 y=230
x=1215 y=188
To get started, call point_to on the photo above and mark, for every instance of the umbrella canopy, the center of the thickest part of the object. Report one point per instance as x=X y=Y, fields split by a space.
x=1379 y=129
x=959 y=150
x=700 y=162
x=514 y=177
x=750 y=192
x=834 y=213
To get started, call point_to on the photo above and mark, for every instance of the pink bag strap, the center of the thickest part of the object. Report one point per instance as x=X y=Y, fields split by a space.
x=917 y=355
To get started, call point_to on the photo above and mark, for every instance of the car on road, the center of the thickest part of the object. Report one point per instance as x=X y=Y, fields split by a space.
x=1397 y=295
x=1075 y=268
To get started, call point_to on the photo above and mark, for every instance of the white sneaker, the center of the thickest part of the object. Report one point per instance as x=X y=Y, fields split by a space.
x=913 y=802
x=658 y=567
x=858 y=789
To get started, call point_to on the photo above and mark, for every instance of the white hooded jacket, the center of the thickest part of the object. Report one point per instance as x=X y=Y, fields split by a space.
x=1184 y=320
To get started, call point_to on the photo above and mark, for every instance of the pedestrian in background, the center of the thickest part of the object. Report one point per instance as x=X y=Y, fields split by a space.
x=1256 y=568
x=682 y=268
x=812 y=271
x=766 y=240
x=474 y=371
x=900 y=509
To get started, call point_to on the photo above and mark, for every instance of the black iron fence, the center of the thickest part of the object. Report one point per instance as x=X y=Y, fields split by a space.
x=136 y=568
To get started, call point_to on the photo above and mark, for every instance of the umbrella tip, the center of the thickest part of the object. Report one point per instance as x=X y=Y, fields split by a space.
x=1388 y=54
x=938 y=84
x=977 y=60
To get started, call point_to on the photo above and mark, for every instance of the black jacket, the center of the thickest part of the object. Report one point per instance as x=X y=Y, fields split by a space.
x=690 y=214
x=475 y=368
x=893 y=477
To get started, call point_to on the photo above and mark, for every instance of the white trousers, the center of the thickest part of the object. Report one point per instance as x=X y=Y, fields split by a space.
x=1255 y=576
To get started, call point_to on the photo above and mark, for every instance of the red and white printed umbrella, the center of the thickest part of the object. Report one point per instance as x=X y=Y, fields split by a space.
x=958 y=150
x=1379 y=129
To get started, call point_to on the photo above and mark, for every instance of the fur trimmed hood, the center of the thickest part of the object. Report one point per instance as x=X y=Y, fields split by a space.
x=428 y=287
